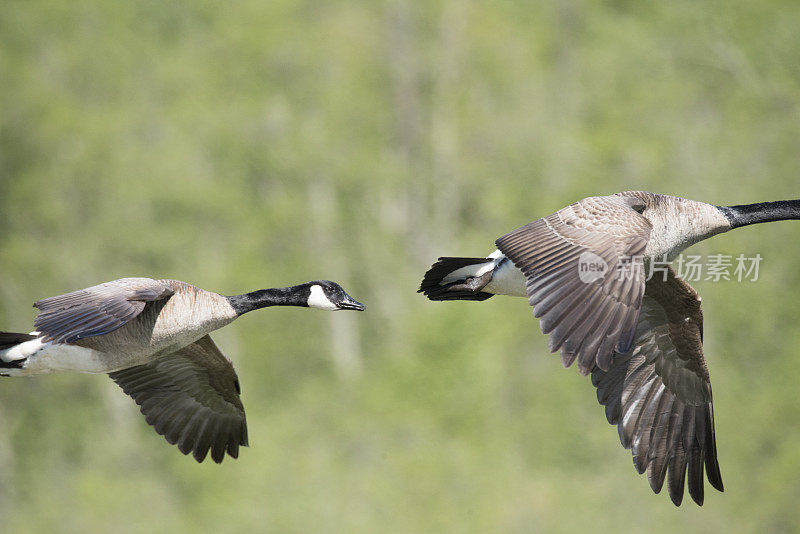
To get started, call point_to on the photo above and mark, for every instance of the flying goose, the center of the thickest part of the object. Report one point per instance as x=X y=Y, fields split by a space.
x=583 y=270
x=151 y=337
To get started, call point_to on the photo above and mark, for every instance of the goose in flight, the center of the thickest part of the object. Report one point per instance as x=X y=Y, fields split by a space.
x=152 y=338
x=583 y=270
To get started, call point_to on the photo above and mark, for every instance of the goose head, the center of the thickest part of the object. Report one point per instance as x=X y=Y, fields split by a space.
x=327 y=295
x=320 y=294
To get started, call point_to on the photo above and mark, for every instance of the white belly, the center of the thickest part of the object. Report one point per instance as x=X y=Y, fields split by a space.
x=39 y=358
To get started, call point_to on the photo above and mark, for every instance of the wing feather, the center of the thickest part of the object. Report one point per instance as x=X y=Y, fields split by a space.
x=96 y=310
x=659 y=393
x=549 y=252
x=190 y=397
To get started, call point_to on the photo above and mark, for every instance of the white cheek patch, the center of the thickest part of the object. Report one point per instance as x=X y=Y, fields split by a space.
x=317 y=299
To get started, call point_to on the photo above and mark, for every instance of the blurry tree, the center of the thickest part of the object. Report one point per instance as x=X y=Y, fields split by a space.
x=266 y=143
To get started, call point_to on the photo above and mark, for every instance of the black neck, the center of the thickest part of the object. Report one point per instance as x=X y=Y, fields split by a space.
x=782 y=210
x=276 y=296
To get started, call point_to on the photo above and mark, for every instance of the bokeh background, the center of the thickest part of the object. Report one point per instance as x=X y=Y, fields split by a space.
x=257 y=144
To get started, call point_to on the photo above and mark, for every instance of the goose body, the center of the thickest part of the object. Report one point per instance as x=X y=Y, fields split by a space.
x=178 y=314
x=583 y=270
x=151 y=337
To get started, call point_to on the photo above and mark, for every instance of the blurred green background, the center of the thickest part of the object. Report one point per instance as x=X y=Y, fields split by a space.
x=257 y=144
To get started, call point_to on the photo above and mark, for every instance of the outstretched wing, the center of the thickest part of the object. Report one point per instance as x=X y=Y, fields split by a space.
x=659 y=394
x=582 y=280
x=96 y=310
x=191 y=397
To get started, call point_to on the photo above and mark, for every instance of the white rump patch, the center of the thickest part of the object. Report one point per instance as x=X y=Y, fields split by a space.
x=318 y=299
x=21 y=351
x=506 y=279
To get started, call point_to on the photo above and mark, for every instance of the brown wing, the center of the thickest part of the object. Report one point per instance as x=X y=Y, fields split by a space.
x=581 y=280
x=96 y=310
x=659 y=394
x=191 y=397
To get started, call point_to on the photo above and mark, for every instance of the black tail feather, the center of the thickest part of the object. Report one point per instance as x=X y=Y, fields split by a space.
x=432 y=285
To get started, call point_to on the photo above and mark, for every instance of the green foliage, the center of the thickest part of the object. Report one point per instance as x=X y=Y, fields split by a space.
x=253 y=144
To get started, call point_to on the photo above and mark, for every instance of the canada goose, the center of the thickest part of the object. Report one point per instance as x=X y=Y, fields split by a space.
x=151 y=337
x=640 y=339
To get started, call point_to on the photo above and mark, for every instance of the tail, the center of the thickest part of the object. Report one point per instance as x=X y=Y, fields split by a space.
x=10 y=340
x=456 y=279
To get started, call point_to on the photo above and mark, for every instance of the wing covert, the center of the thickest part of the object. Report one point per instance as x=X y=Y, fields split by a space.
x=96 y=310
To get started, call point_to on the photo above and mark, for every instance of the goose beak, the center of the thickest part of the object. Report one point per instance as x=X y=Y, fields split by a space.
x=349 y=303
